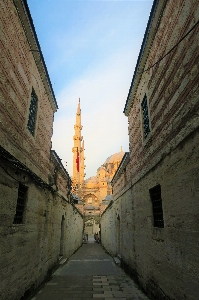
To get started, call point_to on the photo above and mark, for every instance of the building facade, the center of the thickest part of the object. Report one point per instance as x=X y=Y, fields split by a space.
x=152 y=223
x=38 y=224
x=96 y=193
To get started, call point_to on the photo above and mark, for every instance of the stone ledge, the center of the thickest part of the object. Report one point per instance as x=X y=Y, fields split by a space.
x=63 y=260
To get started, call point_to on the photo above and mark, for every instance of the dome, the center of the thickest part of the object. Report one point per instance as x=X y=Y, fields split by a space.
x=115 y=157
x=89 y=207
x=108 y=198
x=101 y=168
x=80 y=202
x=91 y=182
x=92 y=179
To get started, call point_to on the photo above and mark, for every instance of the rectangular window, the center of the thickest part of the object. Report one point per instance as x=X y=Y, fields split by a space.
x=145 y=115
x=156 y=199
x=32 y=113
x=21 y=201
x=90 y=200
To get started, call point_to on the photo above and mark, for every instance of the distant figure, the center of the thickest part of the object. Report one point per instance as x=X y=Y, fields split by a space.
x=96 y=237
x=87 y=236
x=85 y=241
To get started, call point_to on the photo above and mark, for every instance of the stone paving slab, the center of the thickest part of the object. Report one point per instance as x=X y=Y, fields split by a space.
x=90 y=274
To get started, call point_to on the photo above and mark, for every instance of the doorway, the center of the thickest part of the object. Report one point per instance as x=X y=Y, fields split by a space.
x=118 y=234
x=61 y=252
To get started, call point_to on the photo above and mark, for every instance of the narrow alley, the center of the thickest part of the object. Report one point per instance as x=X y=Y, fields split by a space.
x=90 y=273
x=118 y=162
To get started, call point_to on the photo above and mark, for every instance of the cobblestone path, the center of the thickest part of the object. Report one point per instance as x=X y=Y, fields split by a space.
x=90 y=273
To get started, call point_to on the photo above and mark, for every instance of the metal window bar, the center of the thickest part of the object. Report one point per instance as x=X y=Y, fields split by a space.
x=156 y=199
x=145 y=116
x=32 y=113
x=20 y=207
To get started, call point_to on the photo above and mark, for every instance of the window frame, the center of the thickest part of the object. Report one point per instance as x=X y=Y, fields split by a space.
x=156 y=199
x=32 y=116
x=145 y=118
x=20 y=205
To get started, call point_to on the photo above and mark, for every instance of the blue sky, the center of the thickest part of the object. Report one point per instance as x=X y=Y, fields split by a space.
x=90 y=49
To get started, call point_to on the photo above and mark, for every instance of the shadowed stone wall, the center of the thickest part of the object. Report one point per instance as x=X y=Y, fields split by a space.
x=162 y=259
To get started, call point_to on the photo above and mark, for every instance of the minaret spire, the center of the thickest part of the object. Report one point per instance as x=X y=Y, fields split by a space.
x=78 y=108
x=78 y=153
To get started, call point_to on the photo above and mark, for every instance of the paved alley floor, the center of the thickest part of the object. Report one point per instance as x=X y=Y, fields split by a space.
x=90 y=273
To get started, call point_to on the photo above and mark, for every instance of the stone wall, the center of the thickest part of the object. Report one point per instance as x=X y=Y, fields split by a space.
x=163 y=260
x=19 y=74
x=50 y=227
x=30 y=250
x=168 y=86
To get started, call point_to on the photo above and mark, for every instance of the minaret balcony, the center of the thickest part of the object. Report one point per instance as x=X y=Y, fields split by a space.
x=79 y=138
x=78 y=127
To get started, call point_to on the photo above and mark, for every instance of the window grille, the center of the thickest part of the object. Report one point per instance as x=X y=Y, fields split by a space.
x=145 y=113
x=32 y=113
x=21 y=201
x=156 y=199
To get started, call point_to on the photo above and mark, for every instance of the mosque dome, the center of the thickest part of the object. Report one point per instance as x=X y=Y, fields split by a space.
x=117 y=157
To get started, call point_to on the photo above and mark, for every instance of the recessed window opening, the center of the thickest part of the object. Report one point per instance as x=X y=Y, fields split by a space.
x=145 y=114
x=156 y=199
x=90 y=200
x=20 y=207
x=32 y=113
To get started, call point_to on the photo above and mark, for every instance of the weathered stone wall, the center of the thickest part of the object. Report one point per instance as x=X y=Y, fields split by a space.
x=18 y=76
x=30 y=250
x=51 y=227
x=163 y=260
x=171 y=87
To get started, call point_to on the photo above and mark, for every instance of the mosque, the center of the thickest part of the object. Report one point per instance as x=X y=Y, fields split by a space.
x=94 y=194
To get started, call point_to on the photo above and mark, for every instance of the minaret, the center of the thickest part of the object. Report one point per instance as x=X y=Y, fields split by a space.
x=82 y=165
x=78 y=154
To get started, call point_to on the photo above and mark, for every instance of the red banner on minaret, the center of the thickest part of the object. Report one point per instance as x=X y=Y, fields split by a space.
x=77 y=160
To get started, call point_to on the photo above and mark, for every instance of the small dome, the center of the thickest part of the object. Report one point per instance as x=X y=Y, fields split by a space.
x=89 y=207
x=102 y=168
x=108 y=198
x=92 y=179
x=80 y=202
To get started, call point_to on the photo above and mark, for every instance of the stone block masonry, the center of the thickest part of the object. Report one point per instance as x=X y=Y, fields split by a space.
x=38 y=224
x=51 y=229
x=152 y=223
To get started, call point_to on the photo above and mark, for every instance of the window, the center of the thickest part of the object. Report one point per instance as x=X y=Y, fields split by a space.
x=21 y=201
x=156 y=199
x=90 y=200
x=32 y=113
x=145 y=114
